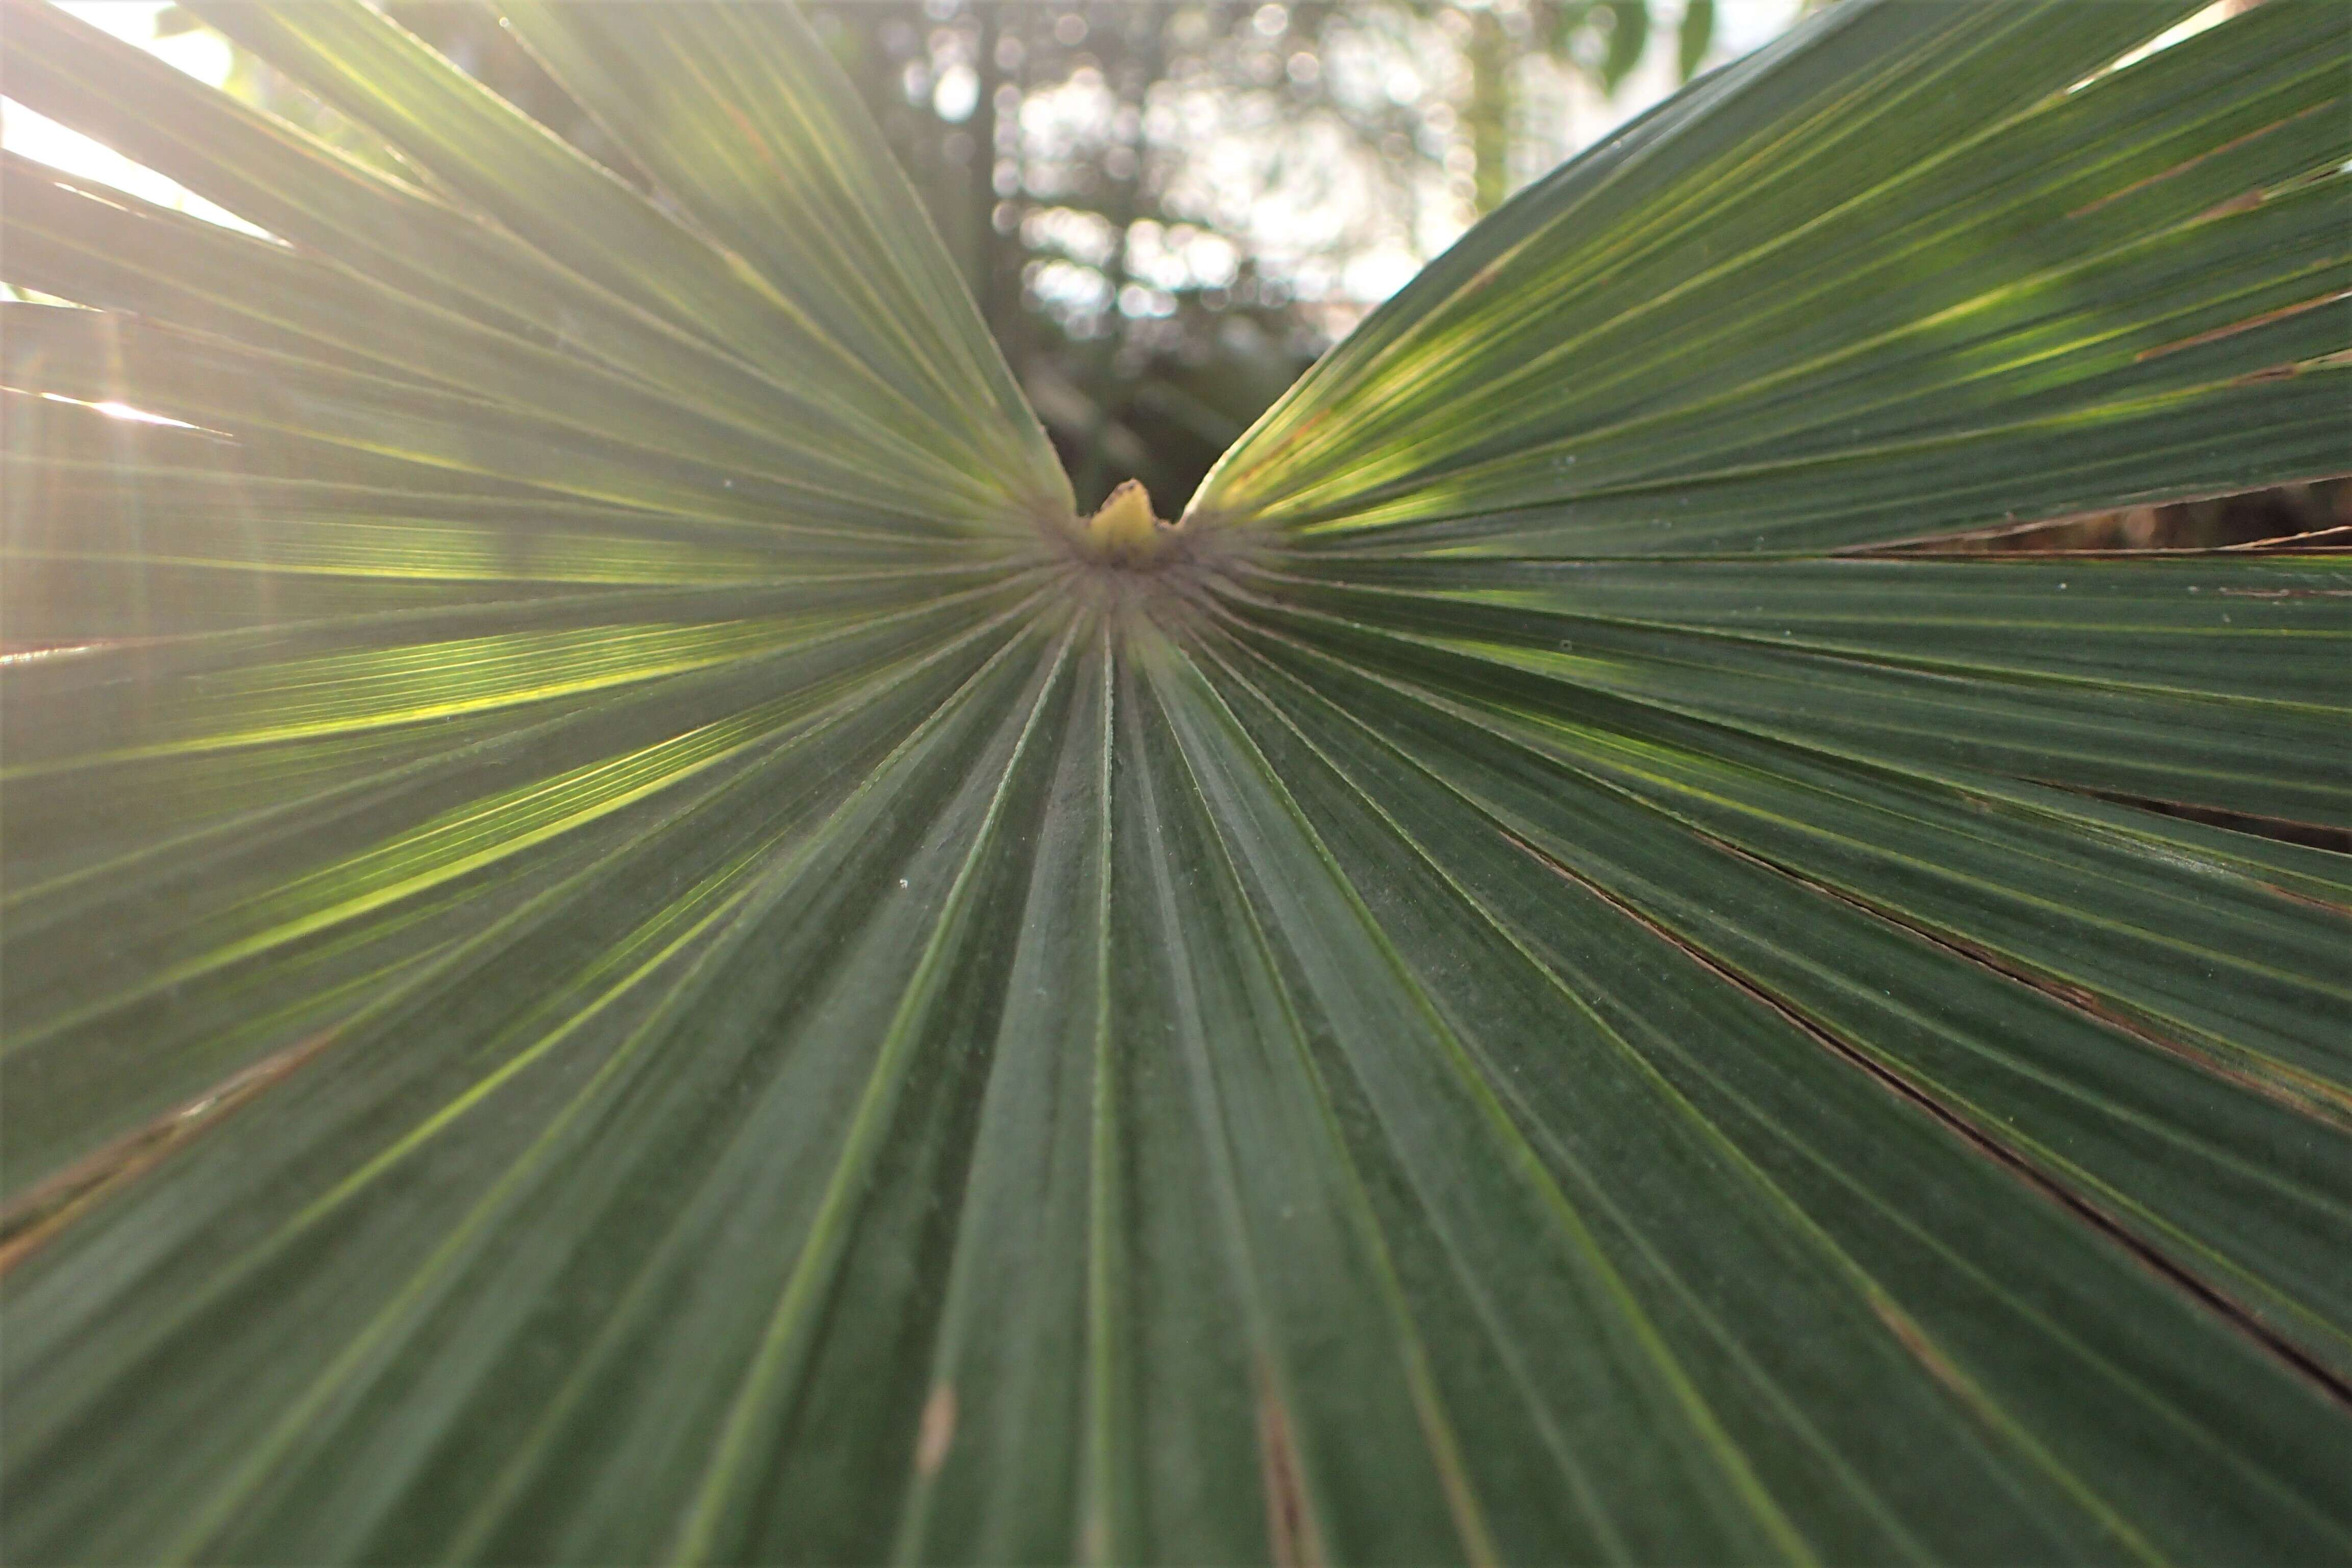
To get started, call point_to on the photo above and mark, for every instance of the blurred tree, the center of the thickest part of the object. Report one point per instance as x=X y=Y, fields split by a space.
x=1065 y=151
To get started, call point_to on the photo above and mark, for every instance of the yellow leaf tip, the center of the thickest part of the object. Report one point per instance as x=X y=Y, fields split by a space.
x=1123 y=531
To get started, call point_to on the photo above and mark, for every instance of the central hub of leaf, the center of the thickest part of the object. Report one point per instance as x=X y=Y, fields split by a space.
x=1124 y=531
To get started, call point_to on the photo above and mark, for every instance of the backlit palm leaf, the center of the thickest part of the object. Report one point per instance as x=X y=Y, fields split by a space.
x=620 y=946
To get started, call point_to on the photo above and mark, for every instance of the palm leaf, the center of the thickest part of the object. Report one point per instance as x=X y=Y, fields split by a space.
x=625 y=942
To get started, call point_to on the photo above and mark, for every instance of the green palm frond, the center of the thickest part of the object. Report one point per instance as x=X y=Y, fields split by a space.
x=625 y=941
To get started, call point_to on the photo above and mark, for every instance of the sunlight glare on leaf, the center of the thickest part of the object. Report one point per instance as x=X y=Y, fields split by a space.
x=201 y=53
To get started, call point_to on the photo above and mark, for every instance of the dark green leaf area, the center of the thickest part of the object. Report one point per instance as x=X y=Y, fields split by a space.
x=1504 y=1144
x=1647 y=1086
x=622 y=942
